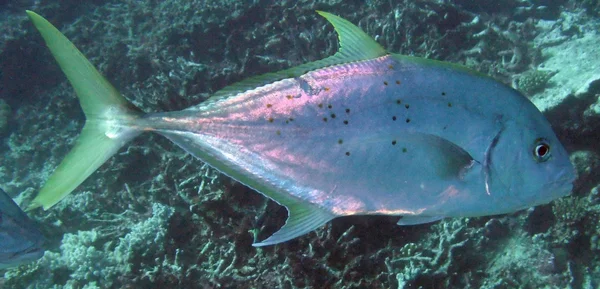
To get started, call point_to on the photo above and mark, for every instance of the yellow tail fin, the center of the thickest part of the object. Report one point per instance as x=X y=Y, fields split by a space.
x=109 y=118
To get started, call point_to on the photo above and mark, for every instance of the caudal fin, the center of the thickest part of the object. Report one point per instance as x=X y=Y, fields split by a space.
x=108 y=118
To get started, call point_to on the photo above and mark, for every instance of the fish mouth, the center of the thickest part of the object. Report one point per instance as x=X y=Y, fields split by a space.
x=558 y=188
x=566 y=177
x=549 y=192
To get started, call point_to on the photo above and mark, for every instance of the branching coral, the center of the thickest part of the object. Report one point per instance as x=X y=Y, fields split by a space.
x=86 y=257
x=413 y=262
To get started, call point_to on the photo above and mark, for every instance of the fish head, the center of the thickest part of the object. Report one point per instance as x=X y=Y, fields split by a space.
x=20 y=240
x=525 y=164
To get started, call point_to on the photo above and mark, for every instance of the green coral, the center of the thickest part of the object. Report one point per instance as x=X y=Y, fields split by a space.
x=534 y=81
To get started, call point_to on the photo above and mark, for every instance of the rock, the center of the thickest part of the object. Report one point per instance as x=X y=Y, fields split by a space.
x=494 y=229
x=570 y=49
x=587 y=165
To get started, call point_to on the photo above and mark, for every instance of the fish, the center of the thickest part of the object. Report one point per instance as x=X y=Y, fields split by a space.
x=362 y=132
x=20 y=240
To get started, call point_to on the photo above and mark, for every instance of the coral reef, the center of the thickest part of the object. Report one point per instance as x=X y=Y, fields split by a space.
x=591 y=7
x=91 y=259
x=533 y=81
x=154 y=217
x=4 y=115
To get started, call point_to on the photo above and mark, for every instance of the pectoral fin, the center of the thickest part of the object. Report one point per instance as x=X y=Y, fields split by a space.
x=446 y=158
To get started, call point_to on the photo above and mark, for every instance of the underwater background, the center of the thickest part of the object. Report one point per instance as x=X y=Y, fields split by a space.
x=155 y=217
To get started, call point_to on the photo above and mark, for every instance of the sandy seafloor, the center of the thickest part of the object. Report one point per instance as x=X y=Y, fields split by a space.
x=154 y=217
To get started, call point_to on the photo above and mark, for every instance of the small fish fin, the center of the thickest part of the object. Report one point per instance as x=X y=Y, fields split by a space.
x=354 y=45
x=441 y=64
x=107 y=115
x=302 y=218
x=9 y=207
x=417 y=220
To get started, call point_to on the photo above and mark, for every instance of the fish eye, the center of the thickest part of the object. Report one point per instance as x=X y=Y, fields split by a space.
x=541 y=150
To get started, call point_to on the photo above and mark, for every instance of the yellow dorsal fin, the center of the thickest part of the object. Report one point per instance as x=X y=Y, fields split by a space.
x=354 y=45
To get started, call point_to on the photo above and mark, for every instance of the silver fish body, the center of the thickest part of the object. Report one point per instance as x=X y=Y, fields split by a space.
x=393 y=136
x=359 y=133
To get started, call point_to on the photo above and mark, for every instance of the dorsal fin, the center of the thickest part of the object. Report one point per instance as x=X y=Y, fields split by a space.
x=354 y=45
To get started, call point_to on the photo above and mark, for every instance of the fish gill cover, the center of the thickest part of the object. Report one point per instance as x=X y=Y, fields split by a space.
x=154 y=217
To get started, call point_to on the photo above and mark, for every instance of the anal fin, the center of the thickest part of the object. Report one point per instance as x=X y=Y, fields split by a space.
x=302 y=218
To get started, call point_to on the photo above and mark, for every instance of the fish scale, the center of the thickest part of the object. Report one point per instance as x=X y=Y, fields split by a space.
x=362 y=132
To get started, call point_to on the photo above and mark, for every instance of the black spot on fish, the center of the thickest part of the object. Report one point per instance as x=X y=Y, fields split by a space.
x=320 y=105
x=394 y=142
x=271 y=119
x=340 y=141
x=330 y=106
x=398 y=101
x=407 y=106
x=287 y=121
x=397 y=81
x=443 y=93
x=347 y=110
x=325 y=119
x=345 y=122
x=394 y=118
x=291 y=119
x=347 y=153
x=449 y=104
x=404 y=150
x=385 y=83
x=333 y=115
x=407 y=120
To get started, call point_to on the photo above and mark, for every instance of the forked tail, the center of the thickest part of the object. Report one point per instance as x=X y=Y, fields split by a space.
x=109 y=116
